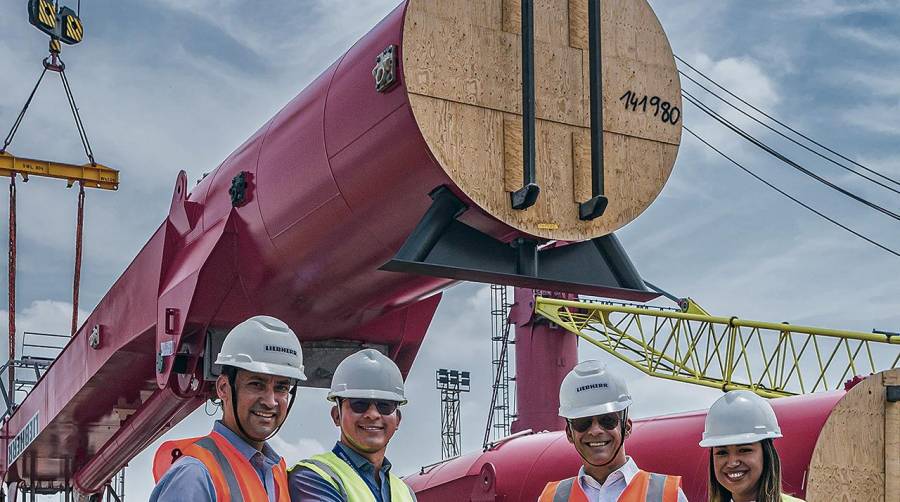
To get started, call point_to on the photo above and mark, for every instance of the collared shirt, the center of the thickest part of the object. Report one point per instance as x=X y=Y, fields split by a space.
x=188 y=478
x=614 y=486
x=306 y=485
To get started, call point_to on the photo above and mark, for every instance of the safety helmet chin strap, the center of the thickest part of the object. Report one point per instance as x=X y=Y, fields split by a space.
x=618 y=448
x=232 y=378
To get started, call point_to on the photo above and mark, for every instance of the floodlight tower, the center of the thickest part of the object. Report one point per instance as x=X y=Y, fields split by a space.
x=451 y=383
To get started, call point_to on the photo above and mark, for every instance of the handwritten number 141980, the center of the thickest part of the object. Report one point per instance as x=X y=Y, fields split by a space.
x=662 y=109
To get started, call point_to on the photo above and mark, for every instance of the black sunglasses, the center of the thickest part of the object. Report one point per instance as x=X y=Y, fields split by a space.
x=609 y=422
x=362 y=405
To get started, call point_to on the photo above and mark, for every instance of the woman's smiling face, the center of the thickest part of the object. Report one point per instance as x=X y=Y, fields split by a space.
x=738 y=469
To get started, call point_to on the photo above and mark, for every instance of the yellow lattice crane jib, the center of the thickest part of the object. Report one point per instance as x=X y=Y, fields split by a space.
x=770 y=359
x=88 y=175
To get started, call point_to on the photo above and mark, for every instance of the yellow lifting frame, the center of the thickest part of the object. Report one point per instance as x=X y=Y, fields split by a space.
x=727 y=353
x=90 y=176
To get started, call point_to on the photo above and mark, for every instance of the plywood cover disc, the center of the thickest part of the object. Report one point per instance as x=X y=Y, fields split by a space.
x=461 y=62
x=857 y=455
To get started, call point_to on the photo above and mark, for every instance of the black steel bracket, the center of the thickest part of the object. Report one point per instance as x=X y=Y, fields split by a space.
x=526 y=196
x=240 y=185
x=595 y=207
x=442 y=246
x=892 y=393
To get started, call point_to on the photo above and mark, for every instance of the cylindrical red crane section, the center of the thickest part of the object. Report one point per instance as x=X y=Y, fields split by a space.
x=339 y=178
x=336 y=181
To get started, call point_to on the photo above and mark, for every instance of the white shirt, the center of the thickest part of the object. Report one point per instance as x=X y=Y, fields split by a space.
x=615 y=484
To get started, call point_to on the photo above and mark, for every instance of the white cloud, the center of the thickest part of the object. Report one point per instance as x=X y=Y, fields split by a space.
x=880 y=41
x=881 y=84
x=836 y=8
x=883 y=118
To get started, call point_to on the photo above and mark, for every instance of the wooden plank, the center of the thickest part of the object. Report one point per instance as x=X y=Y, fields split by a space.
x=892 y=451
x=512 y=16
x=641 y=118
x=891 y=440
x=581 y=165
x=848 y=460
x=485 y=13
x=578 y=24
x=892 y=377
x=551 y=20
x=513 y=174
x=483 y=67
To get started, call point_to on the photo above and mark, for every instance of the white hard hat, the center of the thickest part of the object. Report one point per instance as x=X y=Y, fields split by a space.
x=739 y=417
x=367 y=374
x=263 y=344
x=591 y=389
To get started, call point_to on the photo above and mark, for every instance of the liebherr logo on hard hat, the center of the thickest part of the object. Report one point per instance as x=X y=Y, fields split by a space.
x=286 y=350
x=592 y=386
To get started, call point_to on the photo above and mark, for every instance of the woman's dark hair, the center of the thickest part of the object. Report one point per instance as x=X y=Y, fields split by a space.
x=769 y=486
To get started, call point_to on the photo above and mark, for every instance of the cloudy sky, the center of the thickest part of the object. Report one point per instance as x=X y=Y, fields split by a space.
x=178 y=84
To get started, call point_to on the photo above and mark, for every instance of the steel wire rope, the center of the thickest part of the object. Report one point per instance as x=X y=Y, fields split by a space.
x=82 y=133
x=782 y=124
x=778 y=155
x=785 y=136
x=791 y=197
x=18 y=121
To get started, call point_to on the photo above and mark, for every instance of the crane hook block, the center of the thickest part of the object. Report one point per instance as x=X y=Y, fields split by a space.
x=60 y=23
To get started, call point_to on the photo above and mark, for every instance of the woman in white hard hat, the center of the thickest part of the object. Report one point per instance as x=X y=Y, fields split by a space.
x=743 y=463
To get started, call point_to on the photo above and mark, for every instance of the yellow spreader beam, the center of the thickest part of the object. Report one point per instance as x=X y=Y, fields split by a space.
x=90 y=176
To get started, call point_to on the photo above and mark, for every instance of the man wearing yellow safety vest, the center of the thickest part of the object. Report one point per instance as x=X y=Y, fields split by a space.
x=261 y=365
x=366 y=390
x=595 y=404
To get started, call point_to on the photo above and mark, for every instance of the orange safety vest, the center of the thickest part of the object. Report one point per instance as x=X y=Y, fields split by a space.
x=233 y=478
x=644 y=487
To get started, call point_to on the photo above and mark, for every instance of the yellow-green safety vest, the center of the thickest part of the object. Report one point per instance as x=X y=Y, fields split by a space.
x=344 y=478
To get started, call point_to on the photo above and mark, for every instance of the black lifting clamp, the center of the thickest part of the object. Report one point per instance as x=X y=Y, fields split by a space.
x=596 y=205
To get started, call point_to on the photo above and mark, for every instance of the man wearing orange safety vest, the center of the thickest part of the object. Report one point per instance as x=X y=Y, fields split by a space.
x=261 y=364
x=595 y=404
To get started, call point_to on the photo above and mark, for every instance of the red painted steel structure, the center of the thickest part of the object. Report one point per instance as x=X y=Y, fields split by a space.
x=337 y=180
x=335 y=183
x=545 y=353
x=519 y=468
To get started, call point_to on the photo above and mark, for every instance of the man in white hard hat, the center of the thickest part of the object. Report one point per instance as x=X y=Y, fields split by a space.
x=367 y=390
x=261 y=364
x=595 y=404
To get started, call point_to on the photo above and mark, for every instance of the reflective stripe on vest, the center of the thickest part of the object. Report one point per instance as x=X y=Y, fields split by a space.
x=234 y=479
x=223 y=466
x=644 y=487
x=348 y=482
